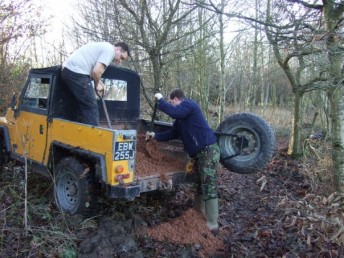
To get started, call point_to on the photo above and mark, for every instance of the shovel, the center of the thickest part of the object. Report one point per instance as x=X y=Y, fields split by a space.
x=153 y=115
x=104 y=107
x=150 y=146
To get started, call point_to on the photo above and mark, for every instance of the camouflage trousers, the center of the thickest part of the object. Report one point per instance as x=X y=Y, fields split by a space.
x=207 y=166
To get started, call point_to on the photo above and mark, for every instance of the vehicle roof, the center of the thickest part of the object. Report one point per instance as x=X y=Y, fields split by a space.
x=46 y=70
x=63 y=104
x=55 y=69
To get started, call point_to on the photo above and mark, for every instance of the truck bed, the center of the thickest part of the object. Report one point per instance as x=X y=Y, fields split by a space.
x=153 y=157
x=159 y=165
x=162 y=166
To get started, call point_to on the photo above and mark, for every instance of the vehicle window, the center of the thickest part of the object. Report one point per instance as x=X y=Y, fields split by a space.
x=115 y=89
x=37 y=92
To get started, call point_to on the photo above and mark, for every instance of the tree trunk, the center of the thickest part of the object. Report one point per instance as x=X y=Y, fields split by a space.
x=295 y=146
x=202 y=66
x=337 y=119
x=255 y=82
x=332 y=16
x=222 y=67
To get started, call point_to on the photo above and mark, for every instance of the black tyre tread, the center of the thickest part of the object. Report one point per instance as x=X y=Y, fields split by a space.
x=3 y=154
x=259 y=127
x=85 y=184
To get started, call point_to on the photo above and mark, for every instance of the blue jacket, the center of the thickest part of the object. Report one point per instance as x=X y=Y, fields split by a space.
x=190 y=125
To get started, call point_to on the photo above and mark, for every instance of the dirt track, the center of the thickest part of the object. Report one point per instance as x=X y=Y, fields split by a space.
x=268 y=214
x=252 y=222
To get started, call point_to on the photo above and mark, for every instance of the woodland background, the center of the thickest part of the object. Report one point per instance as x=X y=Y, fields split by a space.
x=280 y=59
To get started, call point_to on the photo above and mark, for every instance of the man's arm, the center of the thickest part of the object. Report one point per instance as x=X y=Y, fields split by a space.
x=170 y=134
x=179 y=111
x=97 y=73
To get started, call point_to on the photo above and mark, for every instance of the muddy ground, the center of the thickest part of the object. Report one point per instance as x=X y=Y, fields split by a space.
x=274 y=213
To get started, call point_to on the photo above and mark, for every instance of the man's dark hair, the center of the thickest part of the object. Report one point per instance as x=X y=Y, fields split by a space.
x=177 y=93
x=124 y=46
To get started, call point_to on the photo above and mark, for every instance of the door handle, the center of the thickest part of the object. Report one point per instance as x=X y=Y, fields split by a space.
x=41 y=128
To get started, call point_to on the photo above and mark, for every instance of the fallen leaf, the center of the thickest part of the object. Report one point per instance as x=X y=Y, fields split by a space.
x=263 y=180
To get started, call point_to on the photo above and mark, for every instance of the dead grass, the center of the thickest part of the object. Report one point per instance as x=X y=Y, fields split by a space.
x=316 y=219
x=279 y=119
x=48 y=235
x=318 y=166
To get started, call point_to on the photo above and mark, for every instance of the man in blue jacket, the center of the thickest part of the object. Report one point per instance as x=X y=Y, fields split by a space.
x=200 y=143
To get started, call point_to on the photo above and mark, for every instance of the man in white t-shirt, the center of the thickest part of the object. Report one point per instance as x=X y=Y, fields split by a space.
x=86 y=64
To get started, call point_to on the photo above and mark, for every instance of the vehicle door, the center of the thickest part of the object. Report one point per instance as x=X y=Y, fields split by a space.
x=31 y=119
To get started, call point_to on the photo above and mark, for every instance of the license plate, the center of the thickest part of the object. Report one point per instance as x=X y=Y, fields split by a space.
x=124 y=150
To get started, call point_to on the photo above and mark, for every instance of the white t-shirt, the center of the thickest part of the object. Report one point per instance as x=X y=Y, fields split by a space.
x=84 y=59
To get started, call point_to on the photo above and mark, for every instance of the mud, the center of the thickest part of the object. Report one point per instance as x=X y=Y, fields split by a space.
x=155 y=158
x=253 y=222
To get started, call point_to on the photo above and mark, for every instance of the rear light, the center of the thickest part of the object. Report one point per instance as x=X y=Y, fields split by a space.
x=119 y=169
x=125 y=176
x=119 y=178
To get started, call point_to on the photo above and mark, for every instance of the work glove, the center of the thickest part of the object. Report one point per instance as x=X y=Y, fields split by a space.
x=158 y=96
x=190 y=166
x=150 y=135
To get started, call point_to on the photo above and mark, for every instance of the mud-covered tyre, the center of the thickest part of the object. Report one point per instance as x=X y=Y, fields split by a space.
x=250 y=146
x=74 y=186
x=2 y=158
x=4 y=155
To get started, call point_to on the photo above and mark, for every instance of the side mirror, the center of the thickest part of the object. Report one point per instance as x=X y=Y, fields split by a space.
x=13 y=101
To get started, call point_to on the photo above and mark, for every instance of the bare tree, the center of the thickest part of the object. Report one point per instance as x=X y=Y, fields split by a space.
x=157 y=29
x=317 y=34
x=163 y=35
x=296 y=52
x=333 y=22
x=222 y=64
x=19 y=23
x=305 y=35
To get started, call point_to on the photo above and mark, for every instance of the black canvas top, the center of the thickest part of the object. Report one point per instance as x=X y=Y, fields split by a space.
x=124 y=111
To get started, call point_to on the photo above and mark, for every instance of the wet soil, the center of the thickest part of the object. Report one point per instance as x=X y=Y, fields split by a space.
x=273 y=213
x=156 y=158
x=252 y=224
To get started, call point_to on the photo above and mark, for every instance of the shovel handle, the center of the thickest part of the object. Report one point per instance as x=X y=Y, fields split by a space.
x=104 y=108
x=153 y=115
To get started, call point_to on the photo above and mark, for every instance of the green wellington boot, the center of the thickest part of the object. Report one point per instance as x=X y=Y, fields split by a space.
x=212 y=213
x=200 y=204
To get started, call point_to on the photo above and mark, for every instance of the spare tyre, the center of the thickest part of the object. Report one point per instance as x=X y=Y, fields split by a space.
x=247 y=143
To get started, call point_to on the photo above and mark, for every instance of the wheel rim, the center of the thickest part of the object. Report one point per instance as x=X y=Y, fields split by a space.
x=67 y=191
x=246 y=142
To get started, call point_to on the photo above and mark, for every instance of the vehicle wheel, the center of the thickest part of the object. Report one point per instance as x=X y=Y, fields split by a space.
x=74 y=185
x=4 y=156
x=252 y=145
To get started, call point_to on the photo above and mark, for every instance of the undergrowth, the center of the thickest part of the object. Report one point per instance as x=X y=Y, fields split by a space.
x=48 y=233
x=52 y=234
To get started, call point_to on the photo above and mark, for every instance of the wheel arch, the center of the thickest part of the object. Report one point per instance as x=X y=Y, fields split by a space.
x=59 y=150
x=5 y=139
